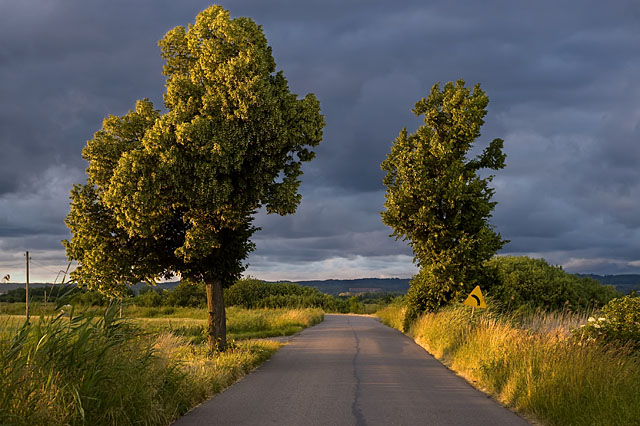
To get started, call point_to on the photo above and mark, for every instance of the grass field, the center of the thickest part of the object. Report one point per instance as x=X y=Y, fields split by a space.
x=533 y=364
x=101 y=370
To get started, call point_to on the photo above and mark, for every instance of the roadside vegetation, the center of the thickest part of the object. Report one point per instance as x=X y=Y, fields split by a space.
x=241 y=323
x=575 y=365
x=84 y=365
x=249 y=293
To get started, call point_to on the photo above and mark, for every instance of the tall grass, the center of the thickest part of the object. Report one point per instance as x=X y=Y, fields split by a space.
x=392 y=315
x=534 y=365
x=82 y=371
x=88 y=370
x=245 y=323
x=241 y=323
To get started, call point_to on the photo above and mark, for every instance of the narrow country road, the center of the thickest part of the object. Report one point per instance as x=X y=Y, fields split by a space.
x=351 y=370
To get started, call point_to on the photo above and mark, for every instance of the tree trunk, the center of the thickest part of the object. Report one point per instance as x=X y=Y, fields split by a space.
x=217 y=316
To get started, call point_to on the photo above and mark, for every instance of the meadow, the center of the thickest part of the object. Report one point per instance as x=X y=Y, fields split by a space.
x=539 y=364
x=90 y=367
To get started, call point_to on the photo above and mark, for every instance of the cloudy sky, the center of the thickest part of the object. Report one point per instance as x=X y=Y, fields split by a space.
x=562 y=77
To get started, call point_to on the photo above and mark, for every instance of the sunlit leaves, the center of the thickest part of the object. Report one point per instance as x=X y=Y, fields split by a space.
x=436 y=200
x=177 y=190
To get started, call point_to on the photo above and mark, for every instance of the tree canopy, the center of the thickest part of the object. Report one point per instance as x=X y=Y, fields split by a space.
x=436 y=198
x=175 y=192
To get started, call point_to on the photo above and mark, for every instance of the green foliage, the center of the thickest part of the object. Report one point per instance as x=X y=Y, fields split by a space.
x=149 y=297
x=176 y=192
x=436 y=199
x=187 y=294
x=37 y=294
x=252 y=293
x=355 y=306
x=67 y=294
x=529 y=284
x=619 y=322
x=89 y=298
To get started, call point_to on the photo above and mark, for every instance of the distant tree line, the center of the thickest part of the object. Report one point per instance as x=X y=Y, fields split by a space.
x=248 y=293
x=511 y=283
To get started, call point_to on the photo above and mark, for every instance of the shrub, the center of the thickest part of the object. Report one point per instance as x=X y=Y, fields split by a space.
x=355 y=306
x=252 y=293
x=149 y=298
x=427 y=291
x=619 y=322
x=525 y=283
x=187 y=294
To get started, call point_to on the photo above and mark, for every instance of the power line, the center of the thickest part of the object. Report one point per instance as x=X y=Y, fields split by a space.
x=43 y=266
x=11 y=265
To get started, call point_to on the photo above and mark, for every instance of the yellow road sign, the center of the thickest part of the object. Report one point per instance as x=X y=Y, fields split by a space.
x=475 y=299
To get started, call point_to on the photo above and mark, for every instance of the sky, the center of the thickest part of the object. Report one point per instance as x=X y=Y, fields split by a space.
x=562 y=79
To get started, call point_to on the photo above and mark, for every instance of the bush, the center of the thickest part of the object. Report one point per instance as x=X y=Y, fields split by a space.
x=355 y=307
x=252 y=293
x=89 y=298
x=619 y=322
x=525 y=283
x=426 y=292
x=149 y=298
x=187 y=294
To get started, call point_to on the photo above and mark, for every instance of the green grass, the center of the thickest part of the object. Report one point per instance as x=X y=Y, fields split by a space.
x=241 y=323
x=35 y=308
x=104 y=371
x=534 y=365
x=392 y=315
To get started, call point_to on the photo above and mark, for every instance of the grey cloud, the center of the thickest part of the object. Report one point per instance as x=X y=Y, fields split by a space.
x=561 y=79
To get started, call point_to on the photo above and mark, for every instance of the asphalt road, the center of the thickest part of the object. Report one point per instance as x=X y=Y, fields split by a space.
x=351 y=370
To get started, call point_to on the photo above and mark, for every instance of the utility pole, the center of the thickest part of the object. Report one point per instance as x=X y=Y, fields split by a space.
x=26 y=287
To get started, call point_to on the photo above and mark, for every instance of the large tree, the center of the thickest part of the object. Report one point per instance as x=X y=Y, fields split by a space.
x=175 y=193
x=436 y=198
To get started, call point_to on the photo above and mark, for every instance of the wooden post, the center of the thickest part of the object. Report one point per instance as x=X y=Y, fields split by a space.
x=26 y=287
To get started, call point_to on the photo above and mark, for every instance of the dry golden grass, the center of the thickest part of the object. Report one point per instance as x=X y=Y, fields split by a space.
x=534 y=365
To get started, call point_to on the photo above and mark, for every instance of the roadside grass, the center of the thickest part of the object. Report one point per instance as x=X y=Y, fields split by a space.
x=101 y=370
x=246 y=323
x=241 y=323
x=392 y=315
x=35 y=308
x=533 y=363
x=192 y=322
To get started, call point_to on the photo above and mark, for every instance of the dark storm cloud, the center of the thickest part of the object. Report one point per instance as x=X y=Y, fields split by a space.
x=562 y=79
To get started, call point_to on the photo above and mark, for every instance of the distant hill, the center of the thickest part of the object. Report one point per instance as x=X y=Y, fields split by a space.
x=624 y=283
x=387 y=285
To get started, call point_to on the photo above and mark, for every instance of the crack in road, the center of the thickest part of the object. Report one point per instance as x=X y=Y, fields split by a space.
x=355 y=406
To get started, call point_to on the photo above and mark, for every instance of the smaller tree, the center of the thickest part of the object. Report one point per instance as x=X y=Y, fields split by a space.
x=436 y=199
